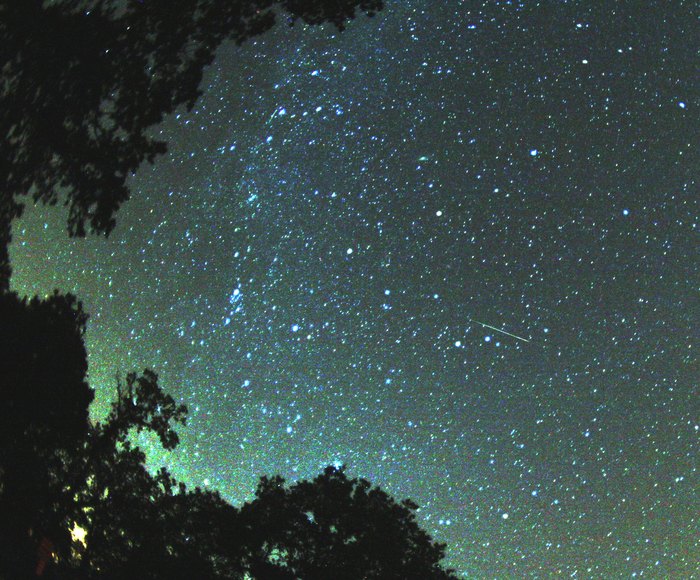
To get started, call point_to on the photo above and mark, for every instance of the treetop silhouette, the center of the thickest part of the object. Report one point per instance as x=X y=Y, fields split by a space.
x=58 y=471
x=44 y=399
x=336 y=527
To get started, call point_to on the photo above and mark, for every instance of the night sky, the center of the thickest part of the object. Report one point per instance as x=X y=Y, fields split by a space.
x=318 y=267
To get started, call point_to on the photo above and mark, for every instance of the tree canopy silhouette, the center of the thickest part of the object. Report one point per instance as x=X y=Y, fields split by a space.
x=59 y=472
x=84 y=81
x=44 y=399
x=335 y=527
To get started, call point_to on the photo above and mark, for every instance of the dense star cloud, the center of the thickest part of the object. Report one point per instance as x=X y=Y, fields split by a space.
x=454 y=248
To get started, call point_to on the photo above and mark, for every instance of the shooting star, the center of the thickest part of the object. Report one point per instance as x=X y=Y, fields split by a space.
x=499 y=330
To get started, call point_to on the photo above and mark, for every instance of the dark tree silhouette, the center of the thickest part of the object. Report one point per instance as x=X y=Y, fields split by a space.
x=44 y=401
x=83 y=81
x=144 y=526
x=330 y=527
x=148 y=526
x=335 y=527
x=117 y=500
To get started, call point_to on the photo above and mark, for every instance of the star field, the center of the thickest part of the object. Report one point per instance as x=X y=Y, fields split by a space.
x=323 y=263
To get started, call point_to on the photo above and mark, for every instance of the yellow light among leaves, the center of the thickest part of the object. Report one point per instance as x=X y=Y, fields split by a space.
x=79 y=535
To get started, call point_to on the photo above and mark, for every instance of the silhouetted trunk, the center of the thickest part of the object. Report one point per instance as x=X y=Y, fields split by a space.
x=17 y=515
x=8 y=210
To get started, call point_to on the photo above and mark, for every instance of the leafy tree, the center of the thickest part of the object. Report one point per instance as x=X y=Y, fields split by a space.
x=114 y=491
x=44 y=401
x=83 y=81
x=335 y=527
x=139 y=525
x=150 y=526
x=58 y=471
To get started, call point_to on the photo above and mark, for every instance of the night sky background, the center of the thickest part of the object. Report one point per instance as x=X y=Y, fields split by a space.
x=310 y=265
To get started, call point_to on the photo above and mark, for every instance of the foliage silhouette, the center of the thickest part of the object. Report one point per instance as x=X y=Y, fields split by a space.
x=335 y=527
x=330 y=527
x=58 y=471
x=84 y=81
x=145 y=526
x=44 y=401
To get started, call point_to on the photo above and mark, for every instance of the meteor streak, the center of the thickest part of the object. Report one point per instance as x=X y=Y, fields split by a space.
x=499 y=330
